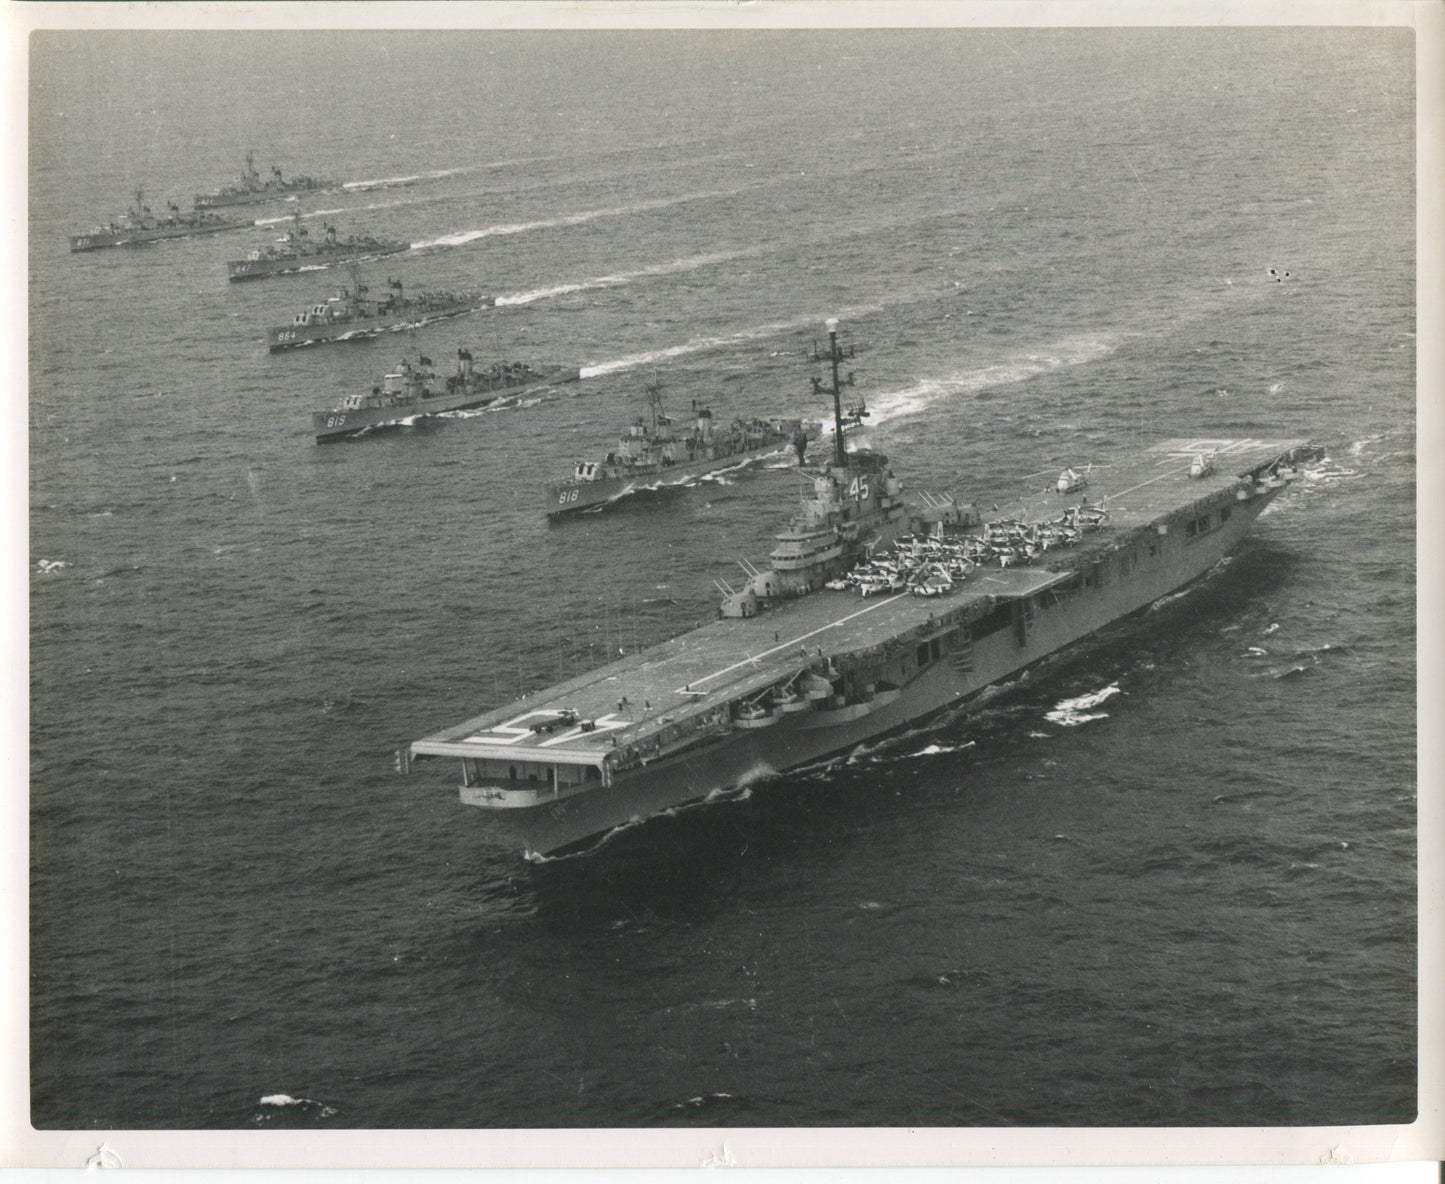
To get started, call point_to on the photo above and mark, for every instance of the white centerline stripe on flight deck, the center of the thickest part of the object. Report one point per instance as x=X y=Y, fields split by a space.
x=1132 y=488
x=787 y=644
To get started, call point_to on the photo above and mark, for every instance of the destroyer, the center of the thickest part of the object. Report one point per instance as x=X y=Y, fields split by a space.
x=657 y=453
x=414 y=391
x=297 y=252
x=251 y=188
x=141 y=226
x=349 y=315
x=795 y=670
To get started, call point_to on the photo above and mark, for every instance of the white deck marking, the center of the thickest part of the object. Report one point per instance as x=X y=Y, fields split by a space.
x=1220 y=447
x=509 y=732
x=603 y=723
x=1132 y=488
x=784 y=645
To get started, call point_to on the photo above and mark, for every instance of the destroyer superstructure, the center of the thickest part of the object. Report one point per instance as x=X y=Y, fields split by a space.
x=139 y=226
x=251 y=188
x=298 y=251
x=414 y=391
x=795 y=669
x=655 y=451
x=352 y=314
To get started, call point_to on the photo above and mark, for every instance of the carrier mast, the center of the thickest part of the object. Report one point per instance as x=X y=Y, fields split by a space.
x=834 y=356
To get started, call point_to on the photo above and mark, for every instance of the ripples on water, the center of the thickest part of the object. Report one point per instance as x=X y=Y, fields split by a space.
x=1165 y=879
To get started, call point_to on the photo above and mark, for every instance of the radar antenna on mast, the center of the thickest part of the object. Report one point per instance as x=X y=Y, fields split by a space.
x=835 y=354
x=653 y=391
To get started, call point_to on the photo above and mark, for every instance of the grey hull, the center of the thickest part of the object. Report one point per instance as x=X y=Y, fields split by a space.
x=295 y=336
x=746 y=755
x=240 y=270
x=221 y=201
x=340 y=424
x=568 y=497
x=136 y=238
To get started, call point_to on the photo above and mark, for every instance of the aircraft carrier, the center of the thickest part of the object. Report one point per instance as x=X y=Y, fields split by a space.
x=802 y=663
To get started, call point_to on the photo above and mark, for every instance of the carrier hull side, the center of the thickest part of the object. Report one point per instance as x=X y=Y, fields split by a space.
x=744 y=755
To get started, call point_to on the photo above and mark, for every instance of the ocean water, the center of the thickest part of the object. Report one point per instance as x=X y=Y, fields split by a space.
x=1168 y=879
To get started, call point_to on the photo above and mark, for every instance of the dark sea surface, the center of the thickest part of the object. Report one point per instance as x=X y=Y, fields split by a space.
x=1191 y=905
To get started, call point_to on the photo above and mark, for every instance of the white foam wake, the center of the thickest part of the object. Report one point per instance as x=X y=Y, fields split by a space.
x=1189 y=589
x=614 y=281
x=1329 y=471
x=938 y=749
x=581 y=218
x=1071 y=712
x=383 y=182
x=701 y=344
x=331 y=213
x=309 y=1104
x=926 y=393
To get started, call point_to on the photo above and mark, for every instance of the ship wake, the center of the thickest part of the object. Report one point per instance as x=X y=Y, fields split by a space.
x=728 y=342
x=388 y=182
x=736 y=794
x=927 y=393
x=942 y=749
x=1070 y=713
x=1189 y=589
x=581 y=218
x=284 y=1110
x=590 y=848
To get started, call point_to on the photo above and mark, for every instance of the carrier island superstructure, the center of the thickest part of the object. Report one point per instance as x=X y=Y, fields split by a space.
x=799 y=665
